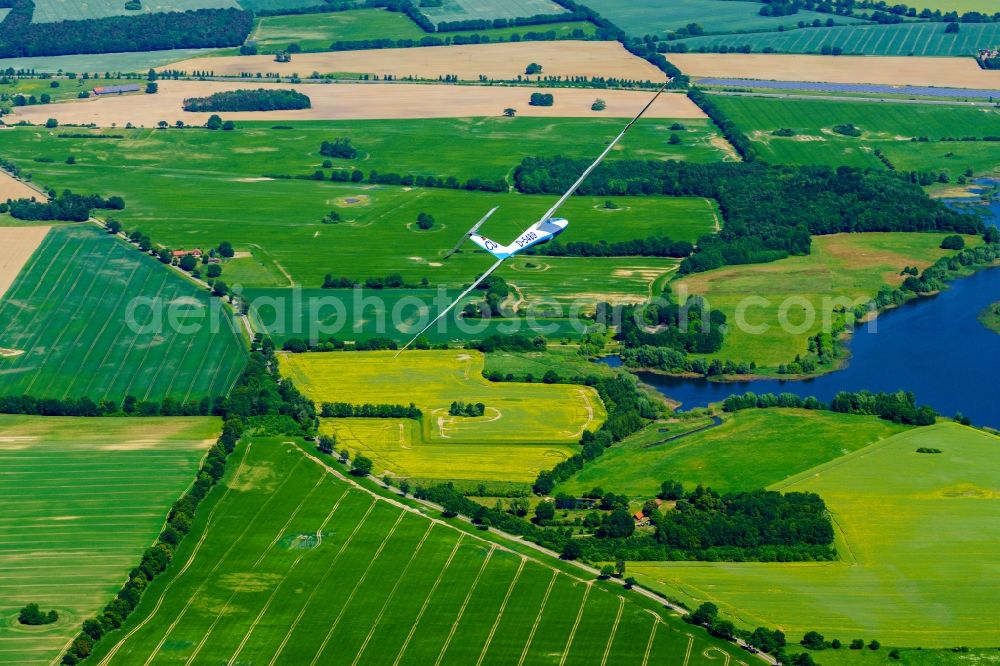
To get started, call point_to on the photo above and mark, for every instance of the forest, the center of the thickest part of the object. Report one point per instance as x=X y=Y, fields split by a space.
x=201 y=28
x=262 y=99
x=770 y=212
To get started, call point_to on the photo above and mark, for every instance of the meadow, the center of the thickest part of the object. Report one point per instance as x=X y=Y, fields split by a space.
x=566 y=360
x=222 y=177
x=916 y=535
x=50 y=11
x=752 y=449
x=464 y=10
x=433 y=379
x=321 y=570
x=885 y=126
x=652 y=17
x=846 y=267
x=901 y=39
x=315 y=32
x=93 y=318
x=80 y=499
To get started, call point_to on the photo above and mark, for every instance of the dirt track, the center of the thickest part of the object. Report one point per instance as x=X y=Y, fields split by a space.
x=495 y=61
x=12 y=188
x=355 y=101
x=16 y=246
x=944 y=72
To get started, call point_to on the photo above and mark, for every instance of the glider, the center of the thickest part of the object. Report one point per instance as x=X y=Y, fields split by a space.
x=540 y=232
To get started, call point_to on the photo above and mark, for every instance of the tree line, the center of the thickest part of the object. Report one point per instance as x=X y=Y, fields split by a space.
x=262 y=99
x=770 y=212
x=899 y=407
x=66 y=206
x=391 y=281
x=261 y=402
x=345 y=410
x=653 y=246
x=497 y=24
x=200 y=28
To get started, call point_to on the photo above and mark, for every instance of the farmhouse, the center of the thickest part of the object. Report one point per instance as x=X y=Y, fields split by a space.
x=111 y=90
x=183 y=253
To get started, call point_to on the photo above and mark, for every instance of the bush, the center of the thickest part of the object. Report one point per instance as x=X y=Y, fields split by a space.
x=541 y=99
x=953 y=242
x=32 y=615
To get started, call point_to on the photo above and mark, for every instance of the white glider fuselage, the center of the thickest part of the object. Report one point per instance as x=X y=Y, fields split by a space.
x=536 y=234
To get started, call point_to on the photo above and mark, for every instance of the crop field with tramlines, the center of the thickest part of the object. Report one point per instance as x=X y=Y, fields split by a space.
x=909 y=135
x=464 y=10
x=93 y=317
x=290 y=564
x=48 y=11
x=654 y=17
x=80 y=499
x=919 y=39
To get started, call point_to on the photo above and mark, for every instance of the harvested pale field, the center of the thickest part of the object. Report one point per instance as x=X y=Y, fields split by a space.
x=495 y=61
x=351 y=101
x=901 y=71
x=16 y=246
x=12 y=188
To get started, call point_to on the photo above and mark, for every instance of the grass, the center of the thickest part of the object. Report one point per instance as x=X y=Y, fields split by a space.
x=886 y=126
x=919 y=39
x=317 y=314
x=916 y=533
x=321 y=570
x=315 y=32
x=80 y=499
x=50 y=11
x=645 y=17
x=280 y=219
x=847 y=267
x=751 y=449
x=565 y=360
x=84 y=311
x=463 y=10
x=990 y=317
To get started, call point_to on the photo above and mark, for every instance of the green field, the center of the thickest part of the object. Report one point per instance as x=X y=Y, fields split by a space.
x=289 y=564
x=851 y=267
x=84 y=312
x=751 y=449
x=80 y=499
x=654 y=17
x=51 y=11
x=315 y=32
x=886 y=126
x=919 y=39
x=280 y=220
x=131 y=61
x=567 y=361
x=917 y=533
x=464 y=10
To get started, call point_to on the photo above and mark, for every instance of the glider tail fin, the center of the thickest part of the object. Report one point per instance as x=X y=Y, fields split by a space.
x=496 y=249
